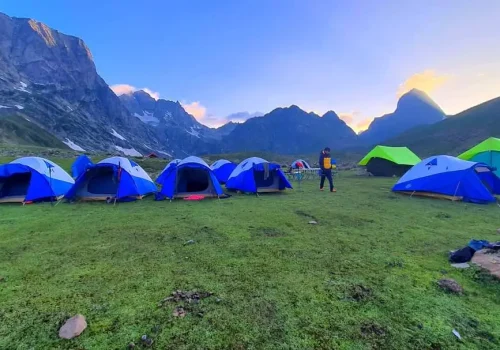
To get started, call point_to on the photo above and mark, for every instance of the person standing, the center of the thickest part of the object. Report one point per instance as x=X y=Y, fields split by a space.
x=325 y=163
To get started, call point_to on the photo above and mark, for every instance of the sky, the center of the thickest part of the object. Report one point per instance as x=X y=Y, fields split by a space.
x=227 y=60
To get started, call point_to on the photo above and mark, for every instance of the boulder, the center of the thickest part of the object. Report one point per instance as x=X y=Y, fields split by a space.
x=450 y=285
x=73 y=327
x=488 y=260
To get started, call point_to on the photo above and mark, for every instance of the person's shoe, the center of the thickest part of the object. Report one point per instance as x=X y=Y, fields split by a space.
x=321 y=189
x=334 y=190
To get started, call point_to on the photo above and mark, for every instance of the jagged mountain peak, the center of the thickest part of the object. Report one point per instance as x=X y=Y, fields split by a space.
x=330 y=114
x=414 y=108
x=416 y=96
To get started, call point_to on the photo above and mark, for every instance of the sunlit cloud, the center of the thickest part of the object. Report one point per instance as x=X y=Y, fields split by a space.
x=122 y=89
x=196 y=109
x=356 y=121
x=202 y=115
x=347 y=117
x=362 y=125
x=426 y=81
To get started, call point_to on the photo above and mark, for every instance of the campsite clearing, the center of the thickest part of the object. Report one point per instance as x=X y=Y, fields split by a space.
x=364 y=277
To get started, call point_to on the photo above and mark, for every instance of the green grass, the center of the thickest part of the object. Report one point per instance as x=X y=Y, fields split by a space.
x=363 y=278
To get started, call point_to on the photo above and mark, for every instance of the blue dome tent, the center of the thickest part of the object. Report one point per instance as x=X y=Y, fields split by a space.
x=80 y=165
x=450 y=178
x=115 y=178
x=163 y=173
x=223 y=169
x=191 y=176
x=32 y=179
x=256 y=175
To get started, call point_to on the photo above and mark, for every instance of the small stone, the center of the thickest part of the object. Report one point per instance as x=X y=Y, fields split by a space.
x=455 y=332
x=146 y=341
x=191 y=241
x=461 y=265
x=131 y=346
x=312 y=222
x=218 y=300
x=450 y=285
x=73 y=327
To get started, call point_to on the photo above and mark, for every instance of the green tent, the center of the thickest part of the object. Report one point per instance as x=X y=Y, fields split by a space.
x=389 y=161
x=487 y=152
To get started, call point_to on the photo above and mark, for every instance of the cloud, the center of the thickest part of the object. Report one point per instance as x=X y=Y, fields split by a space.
x=202 y=115
x=426 y=81
x=356 y=121
x=196 y=109
x=153 y=94
x=362 y=125
x=347 y=117
x=122 y=89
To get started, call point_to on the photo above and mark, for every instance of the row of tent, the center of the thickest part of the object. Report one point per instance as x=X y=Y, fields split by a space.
x=473 y=176
x=32 y=179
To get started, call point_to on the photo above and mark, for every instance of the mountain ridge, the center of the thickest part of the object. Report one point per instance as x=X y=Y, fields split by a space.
x=49 y=82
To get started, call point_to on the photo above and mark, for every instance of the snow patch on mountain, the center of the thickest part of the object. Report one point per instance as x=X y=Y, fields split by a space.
x=147 y=117
x=73 y=145
x=129 y=151
x=4 y=106
x=22 y=87
x=117 y=135
x=193 y=132
x=19 y=107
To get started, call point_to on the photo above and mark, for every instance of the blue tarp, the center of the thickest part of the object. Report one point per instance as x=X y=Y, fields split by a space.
x=123 y=177
x=474 y=182
x=34 y=178
x=249 y=175
x=222 y=169
x=176 y=179
x=80 y=165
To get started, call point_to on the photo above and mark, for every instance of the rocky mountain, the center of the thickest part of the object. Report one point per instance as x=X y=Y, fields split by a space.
x=171 y=123
x=290 y=131
x=50 y=79
x=226 y=129
x=414 y=108
x=456 y=133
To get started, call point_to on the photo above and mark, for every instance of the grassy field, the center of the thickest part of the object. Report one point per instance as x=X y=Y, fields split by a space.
x=364 y=277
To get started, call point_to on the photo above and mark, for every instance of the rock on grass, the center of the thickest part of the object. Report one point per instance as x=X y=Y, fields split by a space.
x=73 y=327
x=450 y=285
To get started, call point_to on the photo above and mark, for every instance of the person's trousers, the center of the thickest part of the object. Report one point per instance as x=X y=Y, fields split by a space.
x=328 y=175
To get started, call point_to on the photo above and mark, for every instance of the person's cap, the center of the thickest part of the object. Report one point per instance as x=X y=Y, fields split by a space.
x=327 y=149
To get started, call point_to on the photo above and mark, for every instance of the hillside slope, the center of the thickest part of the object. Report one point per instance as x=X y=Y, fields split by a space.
x=456 y=133
x=17 y=130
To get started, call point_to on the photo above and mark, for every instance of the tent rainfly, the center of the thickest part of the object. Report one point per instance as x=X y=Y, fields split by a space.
x=389 y=161
x=487 y=152
x=451 y=178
